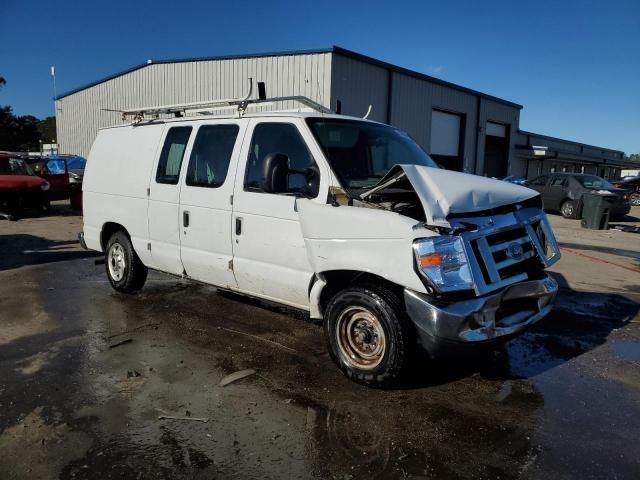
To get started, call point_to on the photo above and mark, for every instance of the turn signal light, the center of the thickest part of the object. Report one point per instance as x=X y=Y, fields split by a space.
x=431 y=260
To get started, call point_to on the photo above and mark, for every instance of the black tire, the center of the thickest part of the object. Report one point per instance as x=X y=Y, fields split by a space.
x=569 y=209
x=385 y=311
x=125 y=271
x=45 y=207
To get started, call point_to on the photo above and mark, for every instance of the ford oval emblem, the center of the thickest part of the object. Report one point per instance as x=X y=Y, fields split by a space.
x=514 y=251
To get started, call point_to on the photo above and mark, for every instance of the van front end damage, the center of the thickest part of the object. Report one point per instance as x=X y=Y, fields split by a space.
x=444 y=326
x=469 y=252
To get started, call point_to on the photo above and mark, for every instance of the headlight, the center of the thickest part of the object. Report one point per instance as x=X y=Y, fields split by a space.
x=44 y=186
x=443 y=261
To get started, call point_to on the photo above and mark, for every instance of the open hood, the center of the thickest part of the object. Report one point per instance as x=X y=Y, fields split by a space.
x=445 y=192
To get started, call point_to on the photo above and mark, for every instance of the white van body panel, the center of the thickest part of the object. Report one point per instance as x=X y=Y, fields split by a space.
x=269 y=256
x=116 y=181
x=205 y=244
x=362 y=240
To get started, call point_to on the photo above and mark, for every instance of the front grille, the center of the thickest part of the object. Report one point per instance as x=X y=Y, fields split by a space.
x=509 y=248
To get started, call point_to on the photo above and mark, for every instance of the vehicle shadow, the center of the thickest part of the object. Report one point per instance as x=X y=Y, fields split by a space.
x=579 y=322
x=18 y=250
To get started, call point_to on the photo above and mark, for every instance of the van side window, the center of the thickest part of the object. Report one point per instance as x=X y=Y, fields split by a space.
x=211 y=155
x=171 y=157
x=281 y=138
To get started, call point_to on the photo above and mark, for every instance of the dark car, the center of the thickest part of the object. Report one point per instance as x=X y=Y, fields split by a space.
x=631 y=185
x=20 y=188
x=563 y=192
x=76 y=165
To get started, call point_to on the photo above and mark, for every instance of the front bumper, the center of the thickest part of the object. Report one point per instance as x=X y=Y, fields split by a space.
x=442 y=326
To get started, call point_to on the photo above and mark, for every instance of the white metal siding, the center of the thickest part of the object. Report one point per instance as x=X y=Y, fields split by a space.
x=80 y=115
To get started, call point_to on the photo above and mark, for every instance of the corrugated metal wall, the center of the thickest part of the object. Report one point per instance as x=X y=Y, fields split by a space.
x=357 y=85
x=412 y=102
x=500 y=113
x=80 y=115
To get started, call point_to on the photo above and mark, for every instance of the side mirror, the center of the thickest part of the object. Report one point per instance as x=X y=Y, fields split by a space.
x=275 y=173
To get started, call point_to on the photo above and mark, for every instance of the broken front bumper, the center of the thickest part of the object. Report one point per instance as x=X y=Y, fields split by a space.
x=442 y=326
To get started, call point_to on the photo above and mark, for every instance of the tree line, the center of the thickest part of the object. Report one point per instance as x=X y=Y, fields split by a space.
x=21 y=133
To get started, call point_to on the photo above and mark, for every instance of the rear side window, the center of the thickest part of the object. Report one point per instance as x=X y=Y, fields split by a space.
x=211 y=155
x=559 y=182
x=172 y=153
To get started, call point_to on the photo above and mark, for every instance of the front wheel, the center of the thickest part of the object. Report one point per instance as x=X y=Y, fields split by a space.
x=367 y=335
x=569 y=209
x=125 y=270
x=634 y=199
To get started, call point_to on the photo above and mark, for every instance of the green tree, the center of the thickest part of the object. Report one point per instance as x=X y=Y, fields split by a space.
x=18 y=133
x=47 y=129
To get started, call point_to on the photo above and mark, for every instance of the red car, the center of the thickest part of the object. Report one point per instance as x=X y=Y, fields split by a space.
x=20 y=188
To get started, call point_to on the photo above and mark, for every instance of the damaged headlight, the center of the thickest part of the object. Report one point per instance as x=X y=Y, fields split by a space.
x=443 y=261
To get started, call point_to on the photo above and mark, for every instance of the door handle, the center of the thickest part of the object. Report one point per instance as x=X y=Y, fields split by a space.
x=185 y=218
x=238 y=225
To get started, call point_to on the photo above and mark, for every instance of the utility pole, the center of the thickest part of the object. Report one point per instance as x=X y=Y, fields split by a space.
x=55 y=99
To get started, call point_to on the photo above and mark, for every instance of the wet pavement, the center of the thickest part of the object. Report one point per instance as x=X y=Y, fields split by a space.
x=85 y=374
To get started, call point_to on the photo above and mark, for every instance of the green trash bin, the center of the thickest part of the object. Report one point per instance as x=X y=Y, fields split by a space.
x=596 y=209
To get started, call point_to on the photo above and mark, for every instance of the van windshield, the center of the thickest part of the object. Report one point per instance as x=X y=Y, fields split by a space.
x=361 y=153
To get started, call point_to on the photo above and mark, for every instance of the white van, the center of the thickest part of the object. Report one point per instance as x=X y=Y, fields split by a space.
x=345 y=218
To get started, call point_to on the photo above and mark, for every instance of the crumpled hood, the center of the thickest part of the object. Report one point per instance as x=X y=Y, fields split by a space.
x=444 y=192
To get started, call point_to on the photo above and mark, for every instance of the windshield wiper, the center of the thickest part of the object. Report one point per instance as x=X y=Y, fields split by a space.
x=383 y=185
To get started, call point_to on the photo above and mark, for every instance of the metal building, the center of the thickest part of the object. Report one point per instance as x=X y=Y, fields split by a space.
x=462 y=129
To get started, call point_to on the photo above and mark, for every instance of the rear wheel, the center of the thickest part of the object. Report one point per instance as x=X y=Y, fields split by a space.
x=569 y=209
x=367 y=335
x=125 y=271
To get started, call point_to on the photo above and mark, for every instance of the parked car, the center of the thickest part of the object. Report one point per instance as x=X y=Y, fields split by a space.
x=20 y=188
x=563 y=192
x=632 y=186
x=345 y=218
x=75 y=166
x=56 y=172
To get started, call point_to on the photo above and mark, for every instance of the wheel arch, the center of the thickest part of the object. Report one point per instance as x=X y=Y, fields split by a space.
x=326 y=284
x=108 y=229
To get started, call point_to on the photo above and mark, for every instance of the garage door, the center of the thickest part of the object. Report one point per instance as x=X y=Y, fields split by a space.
x=496 y=150
x=446 y=147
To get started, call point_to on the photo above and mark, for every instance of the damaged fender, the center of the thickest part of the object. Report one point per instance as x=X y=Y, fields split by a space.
x=360 y=239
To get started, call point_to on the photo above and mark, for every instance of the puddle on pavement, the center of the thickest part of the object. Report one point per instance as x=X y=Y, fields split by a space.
x=483 y=422
x=626 y=350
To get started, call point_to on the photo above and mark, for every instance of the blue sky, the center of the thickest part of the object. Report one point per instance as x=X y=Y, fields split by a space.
x=574 y=65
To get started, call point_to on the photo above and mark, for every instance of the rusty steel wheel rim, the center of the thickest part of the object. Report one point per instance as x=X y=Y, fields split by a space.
x=360 y=337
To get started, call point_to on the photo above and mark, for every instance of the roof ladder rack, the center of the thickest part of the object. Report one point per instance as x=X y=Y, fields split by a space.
x=136 y=115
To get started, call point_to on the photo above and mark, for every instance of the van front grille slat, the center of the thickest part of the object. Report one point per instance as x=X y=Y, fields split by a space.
x=506 y=252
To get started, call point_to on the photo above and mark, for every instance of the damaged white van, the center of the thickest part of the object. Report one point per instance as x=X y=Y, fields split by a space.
x=345 y=218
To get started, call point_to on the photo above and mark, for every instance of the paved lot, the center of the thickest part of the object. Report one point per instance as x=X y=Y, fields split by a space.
x=561 y=401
